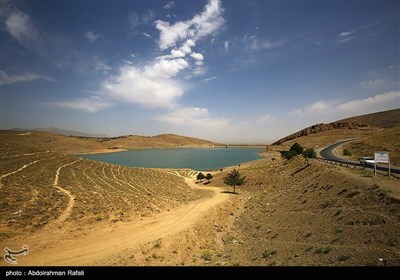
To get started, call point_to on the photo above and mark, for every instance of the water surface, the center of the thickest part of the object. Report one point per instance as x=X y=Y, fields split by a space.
x=198 y=159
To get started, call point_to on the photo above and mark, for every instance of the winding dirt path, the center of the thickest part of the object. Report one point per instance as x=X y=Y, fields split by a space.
x=98 y=245
x=18 y=170
x=67 y=212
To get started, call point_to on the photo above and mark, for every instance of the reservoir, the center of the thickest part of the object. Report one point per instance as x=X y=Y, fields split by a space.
x=198 y=159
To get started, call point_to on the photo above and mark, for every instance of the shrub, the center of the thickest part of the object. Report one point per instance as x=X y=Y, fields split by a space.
x=346 y=152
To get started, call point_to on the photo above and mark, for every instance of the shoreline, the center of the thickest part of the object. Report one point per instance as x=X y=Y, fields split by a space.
x=117 y=150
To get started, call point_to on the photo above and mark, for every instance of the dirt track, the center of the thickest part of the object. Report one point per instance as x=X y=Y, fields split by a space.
x=102 y=243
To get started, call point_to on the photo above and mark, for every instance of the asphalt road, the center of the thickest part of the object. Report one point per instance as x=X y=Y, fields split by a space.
x=327 y=153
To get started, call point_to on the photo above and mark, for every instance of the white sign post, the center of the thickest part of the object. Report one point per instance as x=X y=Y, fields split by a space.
x=382 y=157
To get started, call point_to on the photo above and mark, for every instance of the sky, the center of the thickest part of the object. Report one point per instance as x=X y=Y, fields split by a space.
x=229 y=71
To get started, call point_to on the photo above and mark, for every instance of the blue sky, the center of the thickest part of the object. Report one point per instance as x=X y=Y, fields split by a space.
x=228 y=71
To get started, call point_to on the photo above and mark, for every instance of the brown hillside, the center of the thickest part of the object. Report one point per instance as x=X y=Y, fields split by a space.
x=383 y=140
x=321 y=215
x=383 y=119
x=75 y=144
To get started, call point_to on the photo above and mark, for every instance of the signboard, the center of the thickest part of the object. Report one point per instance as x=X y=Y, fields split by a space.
x=382 y=157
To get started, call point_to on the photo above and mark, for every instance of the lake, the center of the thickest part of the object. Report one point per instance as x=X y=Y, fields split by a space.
x=198 y=159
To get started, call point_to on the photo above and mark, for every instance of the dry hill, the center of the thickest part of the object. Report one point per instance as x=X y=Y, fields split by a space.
x=364 y=123
x=75 y=144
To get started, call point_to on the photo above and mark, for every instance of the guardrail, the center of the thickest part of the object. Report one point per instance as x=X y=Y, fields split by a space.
x=357 y=166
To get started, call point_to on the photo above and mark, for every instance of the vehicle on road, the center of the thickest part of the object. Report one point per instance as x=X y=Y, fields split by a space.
x=364 y=161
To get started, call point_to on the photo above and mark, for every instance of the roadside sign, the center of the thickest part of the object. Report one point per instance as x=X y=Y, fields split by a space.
x=382 y=157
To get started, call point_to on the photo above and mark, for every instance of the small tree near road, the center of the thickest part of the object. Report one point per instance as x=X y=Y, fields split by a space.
x=200 y=176
x=209 y=177
x=309 y=153
x=234 y=179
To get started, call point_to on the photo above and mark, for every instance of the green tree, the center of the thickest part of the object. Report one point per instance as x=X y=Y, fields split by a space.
x=209 y=177
x=234 y=179
x=297 y=148
x=309 y=153
x=200 y=176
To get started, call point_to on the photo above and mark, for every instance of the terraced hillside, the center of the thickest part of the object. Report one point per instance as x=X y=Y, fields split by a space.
x=38 y=188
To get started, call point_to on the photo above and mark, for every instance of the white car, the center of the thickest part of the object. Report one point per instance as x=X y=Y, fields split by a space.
x=364 y=161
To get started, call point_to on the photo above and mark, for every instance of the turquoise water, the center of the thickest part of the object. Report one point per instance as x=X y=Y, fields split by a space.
x=198 y=159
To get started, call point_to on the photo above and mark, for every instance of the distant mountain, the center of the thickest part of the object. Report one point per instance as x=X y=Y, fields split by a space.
x=68 y=132
x=385 y=119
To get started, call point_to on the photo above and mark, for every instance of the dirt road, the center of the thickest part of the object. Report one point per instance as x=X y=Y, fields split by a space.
x=99 y=244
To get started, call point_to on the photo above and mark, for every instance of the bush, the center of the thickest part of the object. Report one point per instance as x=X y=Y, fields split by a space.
x=346 y=152
x=295 y=149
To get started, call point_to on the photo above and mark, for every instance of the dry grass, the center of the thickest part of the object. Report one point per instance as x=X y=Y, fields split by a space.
x=103 y=192
x=382 y=140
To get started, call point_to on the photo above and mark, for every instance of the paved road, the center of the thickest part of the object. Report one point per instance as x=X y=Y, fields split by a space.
x=327 y=153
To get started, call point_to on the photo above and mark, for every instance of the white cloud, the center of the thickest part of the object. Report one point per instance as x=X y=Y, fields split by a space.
x=226 y=46
x=10 y=79
x=187 y=46
x=91 y=104
x=19 y=25
x=199 y=71
x=103 y=67
x=197 y=56
x=192 y=116
x=169 y=5
x=91 y=36
x=209 y=79
x=265 y=118
x=371 y=83
x=15 y=78
x=135 y=21
x=378 y=102
x=146 y=34
x=257 y=45
x=349 y=35
x=203 y=24
x=151 y=86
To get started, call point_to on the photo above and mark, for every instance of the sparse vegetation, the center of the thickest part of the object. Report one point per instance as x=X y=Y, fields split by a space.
x=268 y=253
x=309 y=154
x=323 y=250
x=209 y=177
x=295 y=149
x=343 y=258
x=207 y=255
x=234 y=178
x=347 y=152
x=200 y=177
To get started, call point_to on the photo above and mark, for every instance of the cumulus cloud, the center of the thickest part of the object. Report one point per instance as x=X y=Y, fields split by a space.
x=151 y=86
x=91 y=104
x=378 y=102
x=156 y=84
x=11 y=79
x=192 y=116
x=203 y=24
x=91 y=36
x=197 y=56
